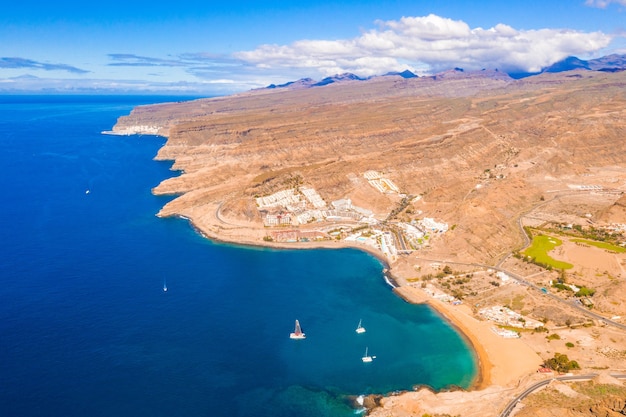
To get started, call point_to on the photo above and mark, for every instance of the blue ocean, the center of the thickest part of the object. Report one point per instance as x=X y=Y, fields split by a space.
x=86 y=328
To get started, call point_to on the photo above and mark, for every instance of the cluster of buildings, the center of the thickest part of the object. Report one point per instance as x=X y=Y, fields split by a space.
x=585 y=187
x=507 y=317
x=433 y=226
x=313 y=197
x=277 y=219
x=282 y=198
x=134 y=130
x=382 y=184
x=417 y=231
x=344 y=209
x=304 y=205
x=617 y=227
x=437 y=294
x=387 y=245
x=390 y=243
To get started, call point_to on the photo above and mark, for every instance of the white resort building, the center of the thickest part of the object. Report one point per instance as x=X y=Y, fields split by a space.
x=382 y=184
x=281 y=219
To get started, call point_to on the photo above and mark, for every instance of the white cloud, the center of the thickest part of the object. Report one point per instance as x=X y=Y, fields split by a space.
x=603 y=4
x=429 y=28
x=433 y=42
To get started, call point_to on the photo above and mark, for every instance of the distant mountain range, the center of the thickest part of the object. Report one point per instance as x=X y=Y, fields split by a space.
x=309 y=82
x=609 y=63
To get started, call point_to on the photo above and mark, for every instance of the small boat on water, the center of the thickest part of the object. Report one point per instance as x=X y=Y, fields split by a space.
x=360 y=328
x=297 y=333
x=164 y=286
x=367 y=358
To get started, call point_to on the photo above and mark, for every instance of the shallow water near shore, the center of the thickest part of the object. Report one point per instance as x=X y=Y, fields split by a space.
x=87 y=329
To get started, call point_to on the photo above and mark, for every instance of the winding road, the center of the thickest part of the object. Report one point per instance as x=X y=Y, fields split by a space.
x=507 y=410
x=580 y=308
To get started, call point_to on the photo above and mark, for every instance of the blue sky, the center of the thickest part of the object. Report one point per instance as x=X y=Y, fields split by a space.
x=198 y=47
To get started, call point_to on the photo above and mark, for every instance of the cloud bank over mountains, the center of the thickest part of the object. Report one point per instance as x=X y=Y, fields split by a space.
x=423 y=44
x=430 y=44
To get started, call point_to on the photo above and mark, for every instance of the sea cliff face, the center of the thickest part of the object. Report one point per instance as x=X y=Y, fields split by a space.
x=478 y=150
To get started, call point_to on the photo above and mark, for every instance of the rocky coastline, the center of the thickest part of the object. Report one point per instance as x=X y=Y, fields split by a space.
x=487 y=160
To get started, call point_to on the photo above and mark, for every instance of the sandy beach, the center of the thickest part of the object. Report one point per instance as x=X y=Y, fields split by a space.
x=503 y=362
x=504 y=365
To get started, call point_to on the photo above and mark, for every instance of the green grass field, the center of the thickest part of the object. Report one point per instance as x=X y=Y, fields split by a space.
x=601 y=245
x=539 y=249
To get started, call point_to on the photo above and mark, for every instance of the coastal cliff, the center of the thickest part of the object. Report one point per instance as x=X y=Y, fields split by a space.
x=477 y=150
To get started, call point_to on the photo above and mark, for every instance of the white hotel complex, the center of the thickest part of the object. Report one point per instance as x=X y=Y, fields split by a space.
x=303 y=205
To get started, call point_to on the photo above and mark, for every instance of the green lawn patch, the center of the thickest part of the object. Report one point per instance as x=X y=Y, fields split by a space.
x=601 y=245
x=539 y=249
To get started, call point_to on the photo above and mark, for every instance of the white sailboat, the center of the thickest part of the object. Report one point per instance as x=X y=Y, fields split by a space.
x=359 y=328
x=297 y=333
x=367 y=358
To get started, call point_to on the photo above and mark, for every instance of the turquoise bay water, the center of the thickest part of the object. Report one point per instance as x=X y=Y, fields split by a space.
x=87 y=330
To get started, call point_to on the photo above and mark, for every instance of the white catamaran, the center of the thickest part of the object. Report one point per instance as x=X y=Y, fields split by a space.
x=359 y=328
x=367 y=358
x=297 y=333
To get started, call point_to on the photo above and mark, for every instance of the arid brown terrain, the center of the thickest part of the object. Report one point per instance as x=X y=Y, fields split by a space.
x=438 y=138
x=482 y=152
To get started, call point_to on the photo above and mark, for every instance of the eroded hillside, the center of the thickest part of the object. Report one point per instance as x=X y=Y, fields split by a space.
x=479 y=149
